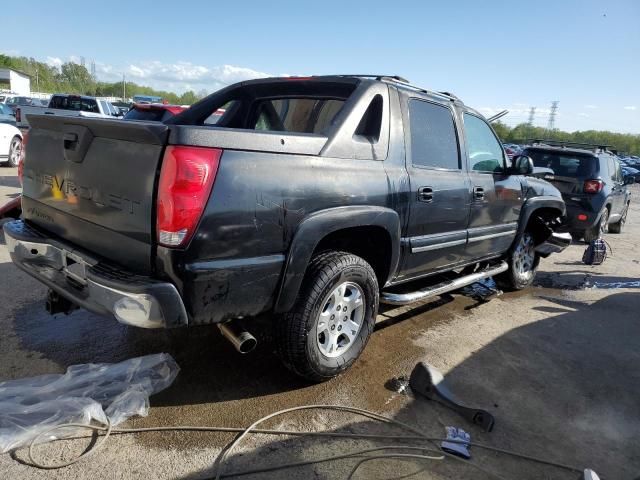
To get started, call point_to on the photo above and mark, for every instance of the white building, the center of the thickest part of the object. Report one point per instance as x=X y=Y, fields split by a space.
x=19 y=82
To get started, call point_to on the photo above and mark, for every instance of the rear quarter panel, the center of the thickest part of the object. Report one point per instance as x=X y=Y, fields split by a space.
x=235 y=260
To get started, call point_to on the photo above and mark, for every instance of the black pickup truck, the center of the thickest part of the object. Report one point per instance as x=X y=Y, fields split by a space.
x=310 y=198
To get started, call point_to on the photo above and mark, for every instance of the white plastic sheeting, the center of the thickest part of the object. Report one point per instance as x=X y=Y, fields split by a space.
x=84 y=394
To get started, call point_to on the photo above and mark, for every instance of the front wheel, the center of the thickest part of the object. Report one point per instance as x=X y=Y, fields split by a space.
x=523 y=263
x=333 y=318
x=15 y=150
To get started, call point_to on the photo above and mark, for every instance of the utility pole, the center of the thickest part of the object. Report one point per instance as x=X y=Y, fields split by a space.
x=124 y=89
x=552 y=117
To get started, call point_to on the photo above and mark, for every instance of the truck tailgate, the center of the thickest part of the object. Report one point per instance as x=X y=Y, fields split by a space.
x=91 y=182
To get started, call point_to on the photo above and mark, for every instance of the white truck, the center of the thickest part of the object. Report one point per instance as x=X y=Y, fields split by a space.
x=68 y=106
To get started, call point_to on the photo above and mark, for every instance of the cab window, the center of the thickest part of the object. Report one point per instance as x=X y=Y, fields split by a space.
x=483 y=148
x=433 y=136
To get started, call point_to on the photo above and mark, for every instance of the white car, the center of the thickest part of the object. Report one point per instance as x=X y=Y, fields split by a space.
x=10 y=145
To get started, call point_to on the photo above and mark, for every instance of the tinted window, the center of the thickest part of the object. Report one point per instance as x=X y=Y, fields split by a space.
x=151 y=114
x=433 y=136
x=564 y=164
x=74 y=103
x=302 y=115
x=484 y=150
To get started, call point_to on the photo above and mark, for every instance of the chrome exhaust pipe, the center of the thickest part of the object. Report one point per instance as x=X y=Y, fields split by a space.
x=241 y=340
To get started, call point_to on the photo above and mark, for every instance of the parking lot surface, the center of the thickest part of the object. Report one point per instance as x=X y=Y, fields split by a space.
x=557 y=365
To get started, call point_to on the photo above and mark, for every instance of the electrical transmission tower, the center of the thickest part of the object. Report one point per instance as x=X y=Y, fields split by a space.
x=552 y=117
x=82 y=61
x=532 y=114
x=93 y=70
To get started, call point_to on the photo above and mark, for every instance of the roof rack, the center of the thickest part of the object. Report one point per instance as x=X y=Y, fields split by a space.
x=565 y=144
x=403 y=81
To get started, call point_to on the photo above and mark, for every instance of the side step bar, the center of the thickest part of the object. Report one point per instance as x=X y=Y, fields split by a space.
x=440 y=288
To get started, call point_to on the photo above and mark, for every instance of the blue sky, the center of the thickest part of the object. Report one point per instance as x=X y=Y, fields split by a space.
x=492 y=54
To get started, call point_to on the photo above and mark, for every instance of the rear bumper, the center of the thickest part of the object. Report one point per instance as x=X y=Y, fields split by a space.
x=93 y=284
x=575 y=212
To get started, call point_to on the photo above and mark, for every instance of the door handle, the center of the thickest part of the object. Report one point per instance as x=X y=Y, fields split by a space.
x=425 y=194
x=478 y=193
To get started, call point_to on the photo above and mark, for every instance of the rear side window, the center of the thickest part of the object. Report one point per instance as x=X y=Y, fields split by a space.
x=484 y=150
x=301 y=115
x=74 y=103
x=433 y=136
x=564 y=165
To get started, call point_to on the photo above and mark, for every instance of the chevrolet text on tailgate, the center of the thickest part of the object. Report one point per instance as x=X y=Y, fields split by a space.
x=312 y=199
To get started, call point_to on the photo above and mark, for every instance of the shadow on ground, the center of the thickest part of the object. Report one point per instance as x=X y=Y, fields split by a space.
x=565 y=388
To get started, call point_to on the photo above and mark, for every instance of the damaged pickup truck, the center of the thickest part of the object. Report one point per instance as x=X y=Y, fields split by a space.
x=312 y=199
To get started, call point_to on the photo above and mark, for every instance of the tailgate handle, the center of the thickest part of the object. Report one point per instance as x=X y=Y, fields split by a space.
x=70 y=141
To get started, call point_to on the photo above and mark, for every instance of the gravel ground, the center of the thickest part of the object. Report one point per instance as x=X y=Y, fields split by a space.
x=556 y=364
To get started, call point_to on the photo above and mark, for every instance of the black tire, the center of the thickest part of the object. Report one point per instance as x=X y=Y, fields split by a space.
x=15 y=147
x=599 y=228
x=619 y=225
x=297 y=335
x=576 y=236
x=520 y=274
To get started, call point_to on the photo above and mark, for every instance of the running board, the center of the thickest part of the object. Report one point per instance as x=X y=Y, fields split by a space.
x=440 y=288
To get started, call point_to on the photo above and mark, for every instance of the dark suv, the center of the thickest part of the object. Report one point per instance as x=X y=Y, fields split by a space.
x=592 y=185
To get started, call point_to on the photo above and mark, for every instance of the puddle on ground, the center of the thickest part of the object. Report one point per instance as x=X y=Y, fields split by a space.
x=631 y=284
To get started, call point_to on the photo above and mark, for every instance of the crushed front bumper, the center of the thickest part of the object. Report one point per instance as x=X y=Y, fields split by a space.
x=93 y=284
x=556 y=243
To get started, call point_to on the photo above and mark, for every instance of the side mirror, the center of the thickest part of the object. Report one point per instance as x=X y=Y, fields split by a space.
x=629 y=180
x=522 y=165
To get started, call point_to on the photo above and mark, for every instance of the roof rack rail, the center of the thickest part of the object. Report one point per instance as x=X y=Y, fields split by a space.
x=564 y=144
x=370 y=75
x=398 y=79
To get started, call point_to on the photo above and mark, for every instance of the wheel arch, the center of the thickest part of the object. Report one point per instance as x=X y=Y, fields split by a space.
x=338 y=228
x=545 y=207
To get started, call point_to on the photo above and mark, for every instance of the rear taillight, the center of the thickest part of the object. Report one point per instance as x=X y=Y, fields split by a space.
x=18 y=115
x=186 y=179
x=592 y=186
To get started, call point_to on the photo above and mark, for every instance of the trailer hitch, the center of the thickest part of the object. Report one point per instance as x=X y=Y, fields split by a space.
x=429 y=382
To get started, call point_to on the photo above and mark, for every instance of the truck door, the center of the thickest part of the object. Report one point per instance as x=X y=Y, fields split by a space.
x=439 y=198
x=617 y=188
x=496 y=197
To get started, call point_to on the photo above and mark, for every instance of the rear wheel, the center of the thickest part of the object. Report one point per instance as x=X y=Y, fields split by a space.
x=523 y=264
x=599 y=229
x=333 y=318
x=619 y=225
x=15 y=150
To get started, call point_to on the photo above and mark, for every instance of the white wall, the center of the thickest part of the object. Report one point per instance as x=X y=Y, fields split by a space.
x=19 y=83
